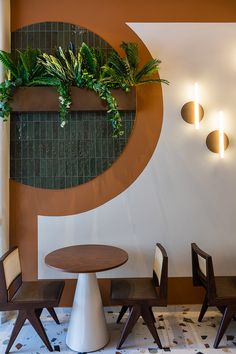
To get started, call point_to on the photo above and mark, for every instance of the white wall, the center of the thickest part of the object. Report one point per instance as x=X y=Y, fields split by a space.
x=186 y=193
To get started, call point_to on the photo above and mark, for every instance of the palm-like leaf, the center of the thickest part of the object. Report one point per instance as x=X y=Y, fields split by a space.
x=131 y=51
x=87 y=59
x=150 y=68
x=125 y=71
x=9 y=63
x=100 y=59
x=53 y=67
x=44 y=81
x=29 y=60
x=117 y=63
x=65 y=60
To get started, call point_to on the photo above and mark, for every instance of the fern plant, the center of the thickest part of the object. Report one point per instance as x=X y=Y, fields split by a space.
x=22 y=70
x=125 y=72
x=86 y=68
x=82 y=69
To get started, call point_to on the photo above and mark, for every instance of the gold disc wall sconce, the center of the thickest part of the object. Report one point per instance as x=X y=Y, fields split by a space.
x=192 y=112
x=217 y=141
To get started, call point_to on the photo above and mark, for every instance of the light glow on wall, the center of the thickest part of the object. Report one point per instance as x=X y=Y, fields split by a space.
x=196 y=106
x=221 y=134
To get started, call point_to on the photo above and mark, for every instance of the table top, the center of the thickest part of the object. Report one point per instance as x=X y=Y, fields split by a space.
x=86 y=258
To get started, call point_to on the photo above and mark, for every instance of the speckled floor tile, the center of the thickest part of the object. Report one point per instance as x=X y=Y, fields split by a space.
x=177 y=326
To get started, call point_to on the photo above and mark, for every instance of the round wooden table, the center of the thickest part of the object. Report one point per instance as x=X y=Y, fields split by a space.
x=87 y=329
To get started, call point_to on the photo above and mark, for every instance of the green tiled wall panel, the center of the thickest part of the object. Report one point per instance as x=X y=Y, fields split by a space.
x=45 y=155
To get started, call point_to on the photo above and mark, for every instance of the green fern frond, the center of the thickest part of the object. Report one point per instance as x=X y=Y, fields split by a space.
x=68 y=66
x=8 y=63
x=131 y=51
x=153 y=81
x=29 y=60
x=88 y=60
x=53 y=67
x=44 y=81
x=118 y=64
x=150 y=68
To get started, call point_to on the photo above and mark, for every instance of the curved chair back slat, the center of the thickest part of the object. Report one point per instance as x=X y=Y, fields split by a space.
x=10 y=274
x=160 y=270
x=203 y=272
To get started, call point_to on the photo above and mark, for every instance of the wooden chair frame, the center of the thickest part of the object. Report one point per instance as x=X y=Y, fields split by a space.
x=226 y=305
x=143 y=307
x=30 y=310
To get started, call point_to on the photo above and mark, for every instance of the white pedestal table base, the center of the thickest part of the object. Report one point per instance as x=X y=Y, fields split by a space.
x=87 y=329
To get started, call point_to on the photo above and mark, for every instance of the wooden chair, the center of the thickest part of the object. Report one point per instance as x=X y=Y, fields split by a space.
x=220 y=291
x=141 y=294
x=29 y=298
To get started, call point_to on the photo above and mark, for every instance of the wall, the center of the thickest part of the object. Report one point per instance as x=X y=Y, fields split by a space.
x=174 y=199
x=186 y=193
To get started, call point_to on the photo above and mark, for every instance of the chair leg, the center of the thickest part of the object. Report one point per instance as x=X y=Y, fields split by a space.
x=132 y=319
x=17 y=327
x=226 y=319
x=37 y=324
x=38 y=312
x=122 y=312
x=53 y=314
x=203 y=309
x=152 y=314
x=148 y=319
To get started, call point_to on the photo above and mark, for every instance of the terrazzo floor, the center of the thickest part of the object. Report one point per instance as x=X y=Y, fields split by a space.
x=177 y=326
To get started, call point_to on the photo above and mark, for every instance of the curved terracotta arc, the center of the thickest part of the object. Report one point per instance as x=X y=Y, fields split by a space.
x=26 y=202
x=127 y=167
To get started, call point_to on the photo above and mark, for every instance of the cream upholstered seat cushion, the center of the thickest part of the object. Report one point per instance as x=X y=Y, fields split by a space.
x=158 y=261
x=202 y=264
x=12 y=267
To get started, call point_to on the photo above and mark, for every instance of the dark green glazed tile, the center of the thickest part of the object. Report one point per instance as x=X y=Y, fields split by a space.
x=98 y=150
x=43 y=149
x=49 y=168
x=67 y=149
x=30 y=146
x=56 y=166
x=24 y=150
x=62 y=168
x=43 y=168
x=36 y=130
x=93 y=168
x=36 y=172
x=30 y=167
x=68 y=170
x=49 y=130
x=43 y=182
x=55 y=130
x=61 y=151
x=55 y=149
x=18 y=149
x=36 y=148
x=80 y=167
x=18 y=168
x=48 y=149
x=74 y=167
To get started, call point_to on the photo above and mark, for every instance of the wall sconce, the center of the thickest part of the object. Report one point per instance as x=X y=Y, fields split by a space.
x=192 y=112
x=217 y=141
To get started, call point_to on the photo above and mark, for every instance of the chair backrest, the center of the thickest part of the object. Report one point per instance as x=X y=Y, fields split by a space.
x=160 y=270
x=10 y=274
x=203 y=272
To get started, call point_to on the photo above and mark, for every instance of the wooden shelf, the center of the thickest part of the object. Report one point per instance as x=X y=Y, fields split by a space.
x=45 y=99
